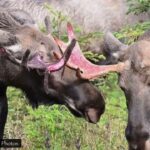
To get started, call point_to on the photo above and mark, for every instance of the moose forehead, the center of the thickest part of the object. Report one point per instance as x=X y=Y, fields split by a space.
x=27 y=35
x=31 y=38
x=140 y=54
x=138 y=70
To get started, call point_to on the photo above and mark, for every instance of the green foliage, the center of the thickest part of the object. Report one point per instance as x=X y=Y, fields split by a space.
x=130 y=34
x=58 y=18
x=93 y=56
x=138 y=6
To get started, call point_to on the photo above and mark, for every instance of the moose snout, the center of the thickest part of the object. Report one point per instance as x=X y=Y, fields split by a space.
x=92 y=115
x=136 y=137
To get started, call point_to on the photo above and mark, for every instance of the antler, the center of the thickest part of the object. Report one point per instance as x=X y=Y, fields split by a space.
x=62 y=62
x=86 y=69
x=36 y=62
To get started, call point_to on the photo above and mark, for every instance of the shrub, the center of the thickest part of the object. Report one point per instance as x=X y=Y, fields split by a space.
x=138 y=6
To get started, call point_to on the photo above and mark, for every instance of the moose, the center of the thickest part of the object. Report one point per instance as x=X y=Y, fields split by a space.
x=134 y=81
x=29 y=60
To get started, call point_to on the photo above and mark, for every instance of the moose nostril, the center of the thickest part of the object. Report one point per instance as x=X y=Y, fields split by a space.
x=136 y=137
x=136 y=134
x=144 y=135
x=133 y=146
x=127 y=134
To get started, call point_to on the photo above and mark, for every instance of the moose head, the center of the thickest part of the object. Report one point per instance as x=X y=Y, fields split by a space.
x=28 y=60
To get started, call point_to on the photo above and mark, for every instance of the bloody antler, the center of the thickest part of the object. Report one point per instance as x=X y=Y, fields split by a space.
x=37 y=63
x=62 y=62
x=86 y=69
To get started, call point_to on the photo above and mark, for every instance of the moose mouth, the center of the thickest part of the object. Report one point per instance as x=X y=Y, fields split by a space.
x=140 y=145
x=91 y=114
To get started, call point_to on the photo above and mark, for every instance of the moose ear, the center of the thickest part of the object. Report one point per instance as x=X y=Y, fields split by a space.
x=112 y=43
x=7 y=23
x=113 y=47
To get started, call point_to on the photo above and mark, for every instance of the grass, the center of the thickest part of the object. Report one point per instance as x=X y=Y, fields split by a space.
x=56 y=128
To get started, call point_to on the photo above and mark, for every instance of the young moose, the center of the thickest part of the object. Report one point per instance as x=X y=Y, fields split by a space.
x=134 y=81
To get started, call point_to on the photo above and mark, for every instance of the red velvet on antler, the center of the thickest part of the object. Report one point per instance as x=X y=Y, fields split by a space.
x=37 y=62
x=86 y=69
x=62 y=62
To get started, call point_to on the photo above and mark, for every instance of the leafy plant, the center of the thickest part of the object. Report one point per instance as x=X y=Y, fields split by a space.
x=58 y=18
x=130 y=34
x=138 y=6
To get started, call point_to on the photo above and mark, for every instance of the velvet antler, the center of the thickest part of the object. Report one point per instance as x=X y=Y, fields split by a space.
x=86 y=69
x=36 y=61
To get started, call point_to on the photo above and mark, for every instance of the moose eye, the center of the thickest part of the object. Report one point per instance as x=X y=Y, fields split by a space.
x=42 y=43
x=147 y=81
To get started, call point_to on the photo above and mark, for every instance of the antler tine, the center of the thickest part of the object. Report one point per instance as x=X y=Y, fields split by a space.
x=62 y=62
x=70 y=32
x=102 y=71
x=36 y=62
